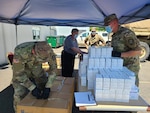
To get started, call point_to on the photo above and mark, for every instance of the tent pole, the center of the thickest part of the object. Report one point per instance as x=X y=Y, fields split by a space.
x=16 y=35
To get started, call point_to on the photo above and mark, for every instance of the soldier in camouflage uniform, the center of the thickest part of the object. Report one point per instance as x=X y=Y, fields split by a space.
x=125 y=44
x=28 y=74
x=94 y=39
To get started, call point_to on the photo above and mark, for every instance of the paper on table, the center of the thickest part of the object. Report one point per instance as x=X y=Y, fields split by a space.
x=84 y=99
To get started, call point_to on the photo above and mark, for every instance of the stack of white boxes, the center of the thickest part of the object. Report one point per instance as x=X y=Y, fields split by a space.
x=107 y=76
x=83 y=69
x=115 y=86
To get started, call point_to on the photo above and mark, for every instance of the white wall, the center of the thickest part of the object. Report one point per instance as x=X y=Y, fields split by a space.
x=7 y=41
x=2 y=46
x=45 y=31
x=66 y=30
x=24 y=33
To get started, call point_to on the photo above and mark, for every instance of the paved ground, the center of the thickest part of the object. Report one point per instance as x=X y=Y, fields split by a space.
x=6 y=90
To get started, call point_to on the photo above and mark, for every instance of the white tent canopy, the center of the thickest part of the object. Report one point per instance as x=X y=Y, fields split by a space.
x=71 y=12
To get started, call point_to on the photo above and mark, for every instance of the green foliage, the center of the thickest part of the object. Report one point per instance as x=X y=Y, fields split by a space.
x=99 y=28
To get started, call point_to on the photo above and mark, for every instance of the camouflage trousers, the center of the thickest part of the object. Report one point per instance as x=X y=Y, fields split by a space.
x=135 y=69
x=137 y=79
x=19 y=93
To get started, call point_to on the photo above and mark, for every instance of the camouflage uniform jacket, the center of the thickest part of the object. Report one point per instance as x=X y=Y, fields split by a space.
x=125 y=40
x=95 y=40
x=27 y=67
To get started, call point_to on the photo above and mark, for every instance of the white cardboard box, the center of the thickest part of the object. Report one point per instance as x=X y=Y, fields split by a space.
x=106 y=81
x=102 y=62
x=108 y=63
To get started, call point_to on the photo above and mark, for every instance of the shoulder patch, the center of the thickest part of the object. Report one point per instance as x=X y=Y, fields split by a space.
x=16 y=61
x=131 y=40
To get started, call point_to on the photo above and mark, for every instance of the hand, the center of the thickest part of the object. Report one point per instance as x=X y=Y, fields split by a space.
x=80 y=57
x=37 y=93
x=84 y=52
x=46 y=93
x=116 y=54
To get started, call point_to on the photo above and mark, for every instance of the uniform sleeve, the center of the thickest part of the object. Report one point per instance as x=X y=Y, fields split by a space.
x=101 y=39
x=52 y=70
x=19 y=74
x=86 y=39
x=131 y=40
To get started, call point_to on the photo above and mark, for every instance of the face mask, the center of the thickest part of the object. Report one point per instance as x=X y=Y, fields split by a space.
x=93 y=33
x=108 y=29
x=75 y=36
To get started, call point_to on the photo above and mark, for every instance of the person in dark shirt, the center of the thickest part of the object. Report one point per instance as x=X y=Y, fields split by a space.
x=71 y=49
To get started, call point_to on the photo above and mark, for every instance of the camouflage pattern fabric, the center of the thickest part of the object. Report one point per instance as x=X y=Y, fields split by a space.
x=95 y=40
x=28 y=72
x=125 y=40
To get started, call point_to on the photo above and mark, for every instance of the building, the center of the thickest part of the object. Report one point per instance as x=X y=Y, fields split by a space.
x=12 y=35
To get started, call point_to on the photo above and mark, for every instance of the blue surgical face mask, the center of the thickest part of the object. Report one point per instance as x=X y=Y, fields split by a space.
x=75 y=36
x=93 y=32
x=108 y=29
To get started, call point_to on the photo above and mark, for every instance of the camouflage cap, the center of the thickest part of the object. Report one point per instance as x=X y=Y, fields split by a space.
x=42 y=50
x=109 y=18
